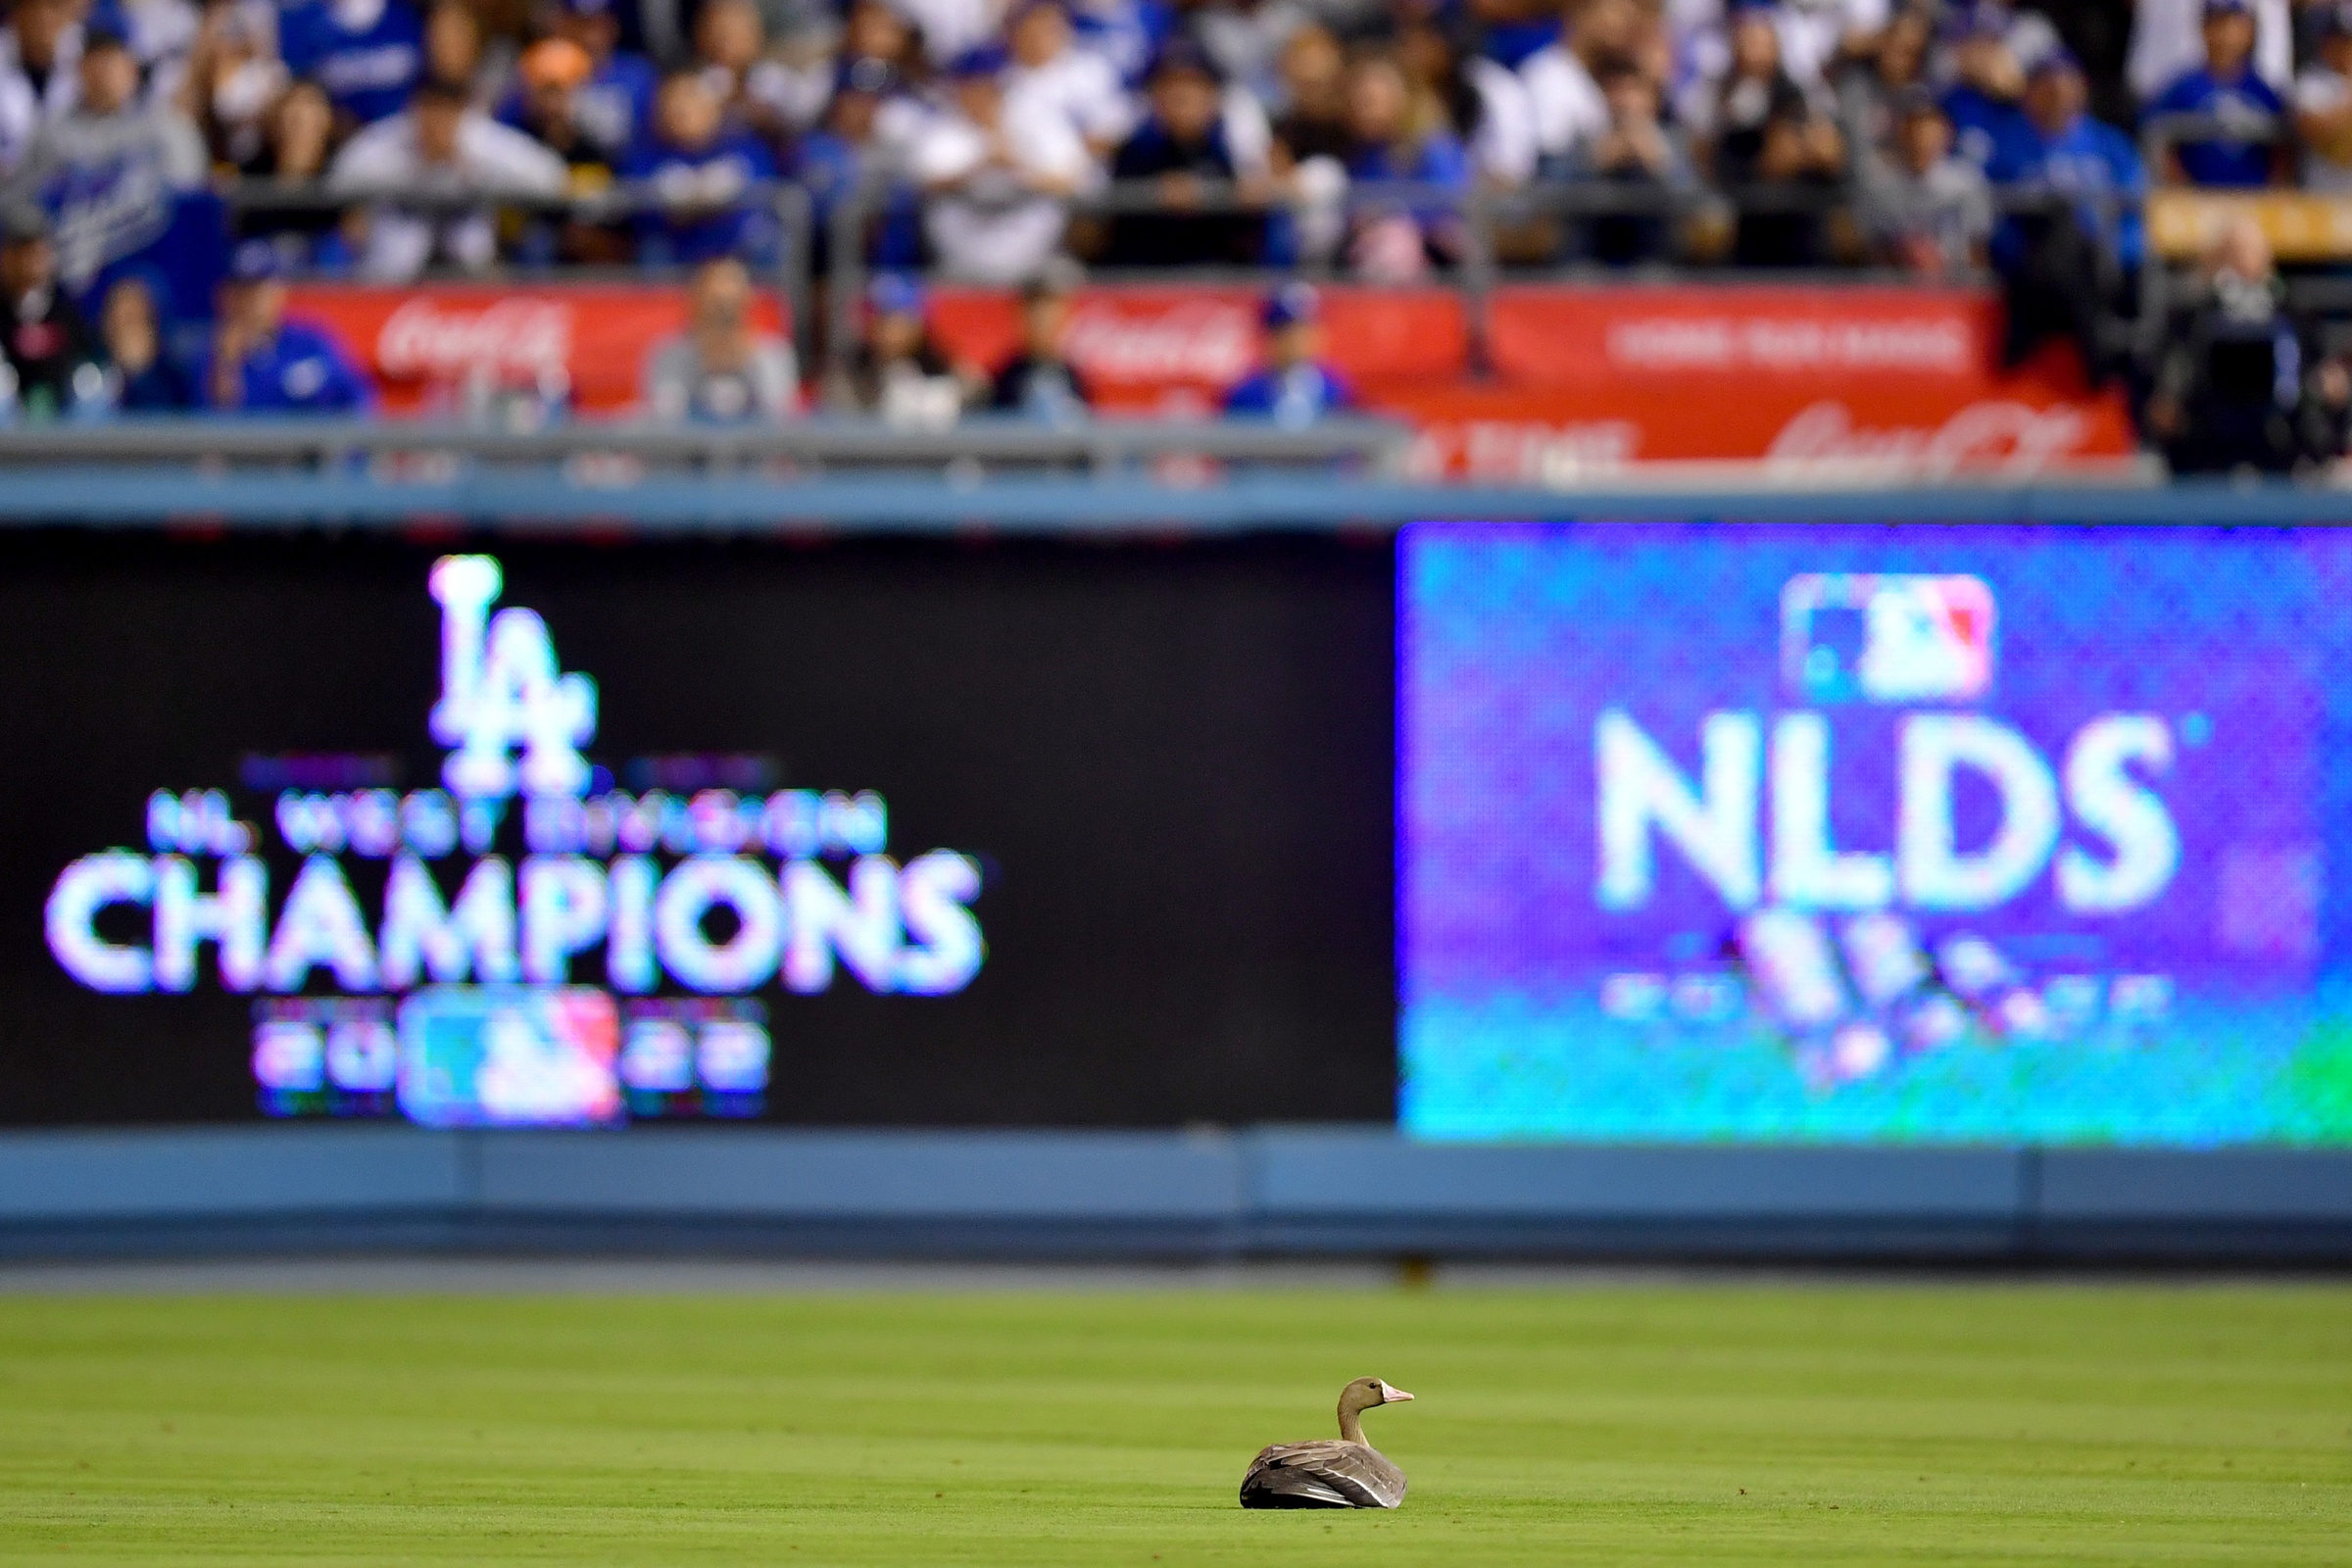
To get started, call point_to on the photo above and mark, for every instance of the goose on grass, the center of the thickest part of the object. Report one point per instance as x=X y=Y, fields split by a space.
x=1348 y=1473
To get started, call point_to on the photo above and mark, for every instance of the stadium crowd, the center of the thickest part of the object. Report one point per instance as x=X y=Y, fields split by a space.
x=385 y=139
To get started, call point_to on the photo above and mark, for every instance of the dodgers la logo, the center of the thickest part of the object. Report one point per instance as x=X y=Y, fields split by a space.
x=500 y=692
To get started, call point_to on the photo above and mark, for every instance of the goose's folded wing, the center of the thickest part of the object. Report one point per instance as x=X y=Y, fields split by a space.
x=1341 y=1475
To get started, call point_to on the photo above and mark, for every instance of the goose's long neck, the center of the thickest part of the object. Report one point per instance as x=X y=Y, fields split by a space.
x=1352 y=1423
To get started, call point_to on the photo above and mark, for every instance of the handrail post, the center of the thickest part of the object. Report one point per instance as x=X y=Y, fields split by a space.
x=793 y=210
x=845 y=270
x=1478 y=269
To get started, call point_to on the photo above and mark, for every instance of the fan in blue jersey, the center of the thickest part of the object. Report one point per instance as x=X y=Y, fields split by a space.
x=1295 y=387
x=2050 y=255
x=260 y=362
x=704 y=172
x=1987 y=128
x=2068 y=151
x=368 y=53
x=2243 y=146
x=870 y=115
x=114 y=171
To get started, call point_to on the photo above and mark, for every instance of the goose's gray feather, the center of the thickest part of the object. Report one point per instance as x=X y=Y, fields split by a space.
x=1325 y=1473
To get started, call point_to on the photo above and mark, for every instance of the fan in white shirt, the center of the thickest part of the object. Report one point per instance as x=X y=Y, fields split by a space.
x=40 y=51
x=1077 y=83
x=996 y=170
x=953 y=29
x=439 y=146
x=2323 y=105
x=1564 y=102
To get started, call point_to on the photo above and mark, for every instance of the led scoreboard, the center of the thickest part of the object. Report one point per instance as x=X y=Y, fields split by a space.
x=1853 y=833
x=578 y=835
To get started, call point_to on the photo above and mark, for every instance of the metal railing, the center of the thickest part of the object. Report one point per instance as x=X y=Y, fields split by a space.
x=620 y=452
x=825 y=326
x=788 y=202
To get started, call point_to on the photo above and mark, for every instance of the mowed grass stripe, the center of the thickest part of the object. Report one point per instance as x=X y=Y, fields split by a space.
x=1710 y=1423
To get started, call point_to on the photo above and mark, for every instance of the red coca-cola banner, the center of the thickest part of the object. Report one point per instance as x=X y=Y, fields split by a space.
x=1878 y=380
x=1177 y=349
x=422 y=343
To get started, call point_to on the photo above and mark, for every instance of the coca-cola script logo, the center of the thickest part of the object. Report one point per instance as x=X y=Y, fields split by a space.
x=1998 y=436
x=430 y=339
x=1199 y=340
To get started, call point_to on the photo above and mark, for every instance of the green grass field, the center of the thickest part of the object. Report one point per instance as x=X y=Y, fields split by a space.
x=1709 y=1423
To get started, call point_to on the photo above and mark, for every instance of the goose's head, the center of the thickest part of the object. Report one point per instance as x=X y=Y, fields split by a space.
x=1365 y=1393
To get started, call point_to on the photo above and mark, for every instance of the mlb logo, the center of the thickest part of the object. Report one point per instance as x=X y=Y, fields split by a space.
x=1871 y=638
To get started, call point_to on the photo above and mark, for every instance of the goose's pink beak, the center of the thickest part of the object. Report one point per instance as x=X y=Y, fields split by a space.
x=1393 y=1395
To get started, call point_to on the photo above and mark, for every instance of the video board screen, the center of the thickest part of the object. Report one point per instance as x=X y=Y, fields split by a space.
x=472 y=832
x=1915 y=834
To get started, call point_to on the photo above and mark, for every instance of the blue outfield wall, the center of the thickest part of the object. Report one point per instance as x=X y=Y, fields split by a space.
x=1199 y=1195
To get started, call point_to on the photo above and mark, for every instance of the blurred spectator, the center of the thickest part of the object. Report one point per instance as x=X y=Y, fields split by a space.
x=897 y=372
x=1182 y=144
x=2167 y=43
x=1039 y=380
x=299 y=133
x=863 y=136
x=1821 y=37
x=721 y=369
x=162 y=34
x=445 y=150
x=1399 y=239
x=1295 y=387
x=1454 y=89
x=1128 y=34
x=39 y=48
x=1925 y=208
x=1774 y=150
x=110 y=167
x=952 y=28
x=2323 y=104
x=1251 y=43
x=454 y=56
x=1988 y=129
x=142 y=373
x=368 y=53
x=1308 y=143
x=704 y=173
x=1562 y=79
x=1634 y=152
x=2052 y=260
x=996 y=170
x=233 y=79
x=1872 y=97
x=2229 y=385
x=546 y=107
x=51 y=360
x=756 y=91
x=1516 y=29
x=2240 y=151
x=1078 y=85
x=1313 y=122
x=262 y=362
x=873 y=31
x=616 y=104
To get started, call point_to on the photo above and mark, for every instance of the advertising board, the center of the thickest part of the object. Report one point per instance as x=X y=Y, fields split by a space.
x=1855 y=834
x=476 y=833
